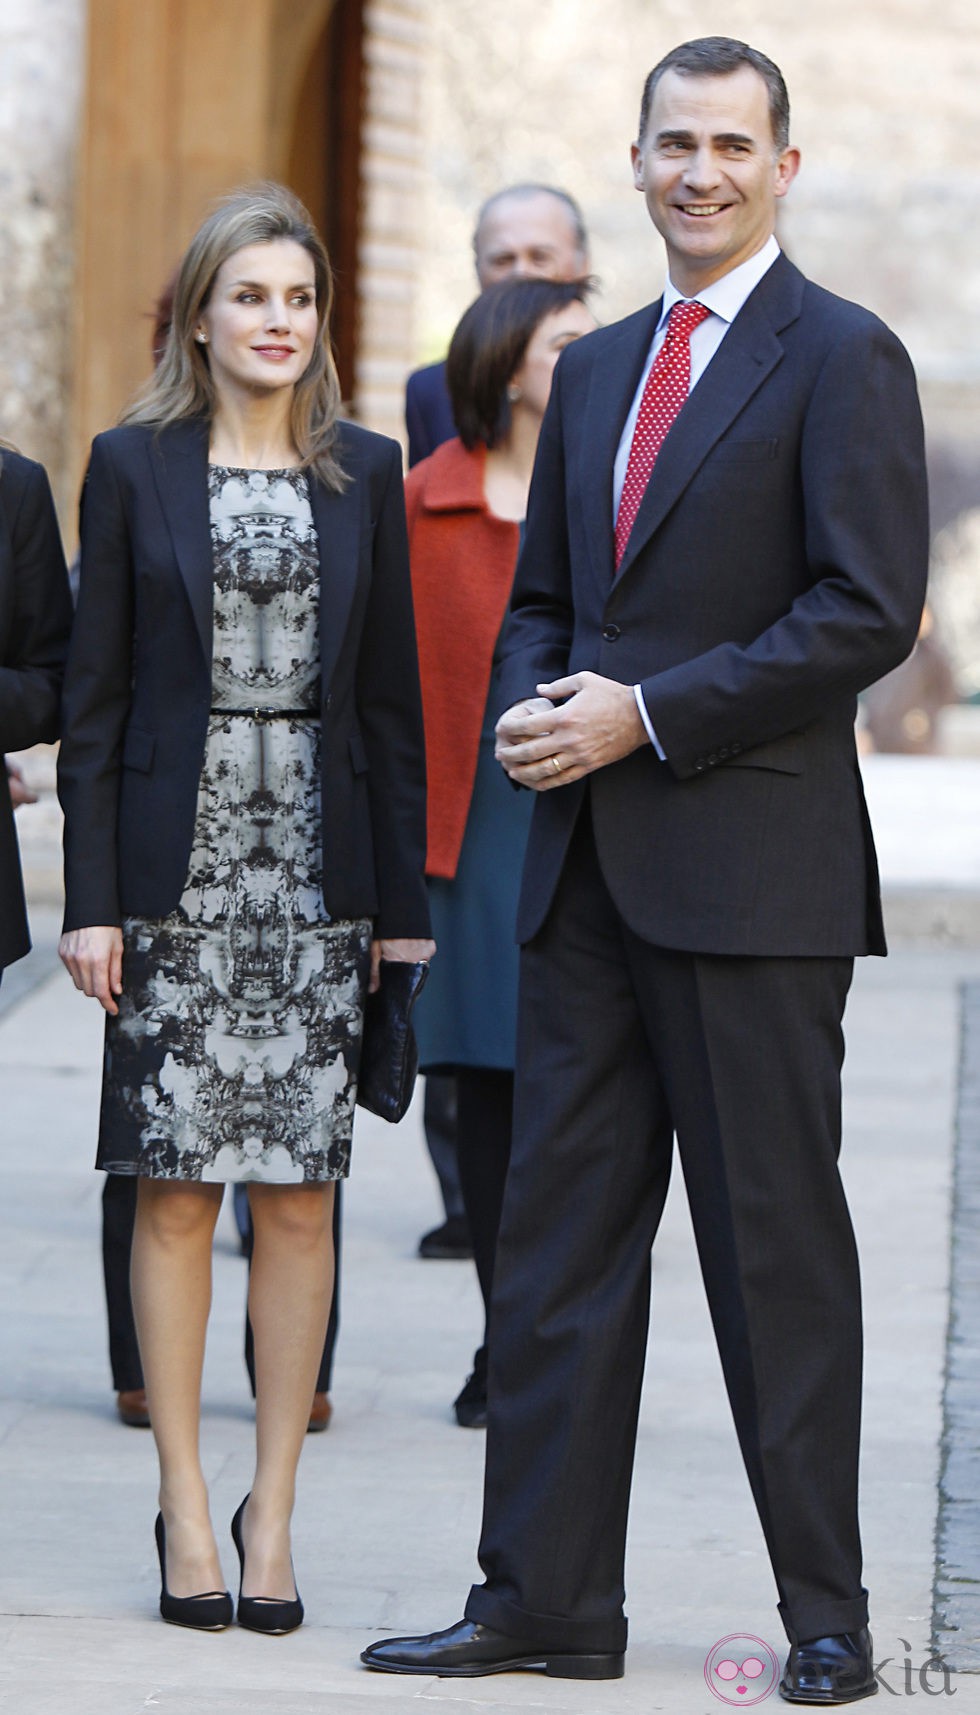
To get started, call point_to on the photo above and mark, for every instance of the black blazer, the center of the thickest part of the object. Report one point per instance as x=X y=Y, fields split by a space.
x=35 y=620
x=138 y=684
x=777 y=566
x=428 y=412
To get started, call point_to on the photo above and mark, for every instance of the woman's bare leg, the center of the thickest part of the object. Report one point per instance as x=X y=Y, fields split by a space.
x=171 y=1281
x=289 y=1302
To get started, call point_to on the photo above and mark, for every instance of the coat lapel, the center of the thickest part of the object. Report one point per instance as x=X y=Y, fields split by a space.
x=747 y=355
x=179 y=456
x=612 y=384
x=338 y=523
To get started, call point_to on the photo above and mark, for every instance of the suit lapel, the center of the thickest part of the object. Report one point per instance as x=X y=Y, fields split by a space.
x=748 y=354
x=612 y=384
x=338 y=519
x=179 y=457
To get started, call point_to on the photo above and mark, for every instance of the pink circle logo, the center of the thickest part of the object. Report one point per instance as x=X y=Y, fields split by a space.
x=741 y=1669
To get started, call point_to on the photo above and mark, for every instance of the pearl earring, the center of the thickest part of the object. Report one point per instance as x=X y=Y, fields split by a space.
x=202 y=338
x=513 y=392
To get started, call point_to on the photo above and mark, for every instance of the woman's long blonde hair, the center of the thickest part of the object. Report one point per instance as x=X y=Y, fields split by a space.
x=181 y=386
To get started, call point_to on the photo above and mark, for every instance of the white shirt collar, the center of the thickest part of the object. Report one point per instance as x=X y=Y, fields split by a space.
x=726 y=296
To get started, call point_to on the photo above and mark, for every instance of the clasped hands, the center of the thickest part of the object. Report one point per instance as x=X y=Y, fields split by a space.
x=94 y=957
x=572 y=727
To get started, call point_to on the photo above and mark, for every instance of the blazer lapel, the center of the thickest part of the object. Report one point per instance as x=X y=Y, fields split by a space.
x=747 y=355
x=612 y=384
x=179 y=457
x=338 y=520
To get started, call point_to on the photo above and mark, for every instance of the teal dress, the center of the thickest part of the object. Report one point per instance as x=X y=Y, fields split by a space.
x=467 y=1012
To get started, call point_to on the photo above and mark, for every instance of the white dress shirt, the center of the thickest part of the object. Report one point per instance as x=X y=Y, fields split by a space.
x=724 y=298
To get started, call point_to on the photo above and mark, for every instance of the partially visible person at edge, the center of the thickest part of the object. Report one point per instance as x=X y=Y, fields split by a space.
x=120 y=1189
x=727 y=540
x=242 y=775
x=526 y=231
x=35 y=623
x=466 y=507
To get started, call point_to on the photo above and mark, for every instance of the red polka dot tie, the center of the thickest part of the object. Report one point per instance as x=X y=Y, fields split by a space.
x=668 y=385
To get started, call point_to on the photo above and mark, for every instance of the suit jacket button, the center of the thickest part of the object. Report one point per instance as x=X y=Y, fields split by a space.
x=610 y=633
x=724 y=753
x=700 y=765
x=713 y=760
x=736 y=750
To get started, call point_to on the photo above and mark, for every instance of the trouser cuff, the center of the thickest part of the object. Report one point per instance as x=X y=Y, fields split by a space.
x=825 y=1619
x=553 y=1631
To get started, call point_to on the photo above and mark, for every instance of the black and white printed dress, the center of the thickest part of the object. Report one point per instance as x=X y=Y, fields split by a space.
x=234 y=1053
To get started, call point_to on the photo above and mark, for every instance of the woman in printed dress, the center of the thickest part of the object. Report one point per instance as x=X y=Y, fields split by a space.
x=242 y=776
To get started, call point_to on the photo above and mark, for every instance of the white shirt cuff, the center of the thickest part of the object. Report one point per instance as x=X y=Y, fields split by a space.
x=648 y=724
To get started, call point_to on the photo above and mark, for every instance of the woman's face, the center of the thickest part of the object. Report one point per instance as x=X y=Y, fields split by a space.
x=548 y=341
x=260 y=322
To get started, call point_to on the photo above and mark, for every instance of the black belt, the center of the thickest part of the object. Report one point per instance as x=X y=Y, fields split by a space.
x=262 y=715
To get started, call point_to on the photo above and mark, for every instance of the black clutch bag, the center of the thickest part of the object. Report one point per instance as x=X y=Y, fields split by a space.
x=389 y=1056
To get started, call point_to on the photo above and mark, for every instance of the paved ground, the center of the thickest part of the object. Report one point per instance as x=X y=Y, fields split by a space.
x=390 y=1497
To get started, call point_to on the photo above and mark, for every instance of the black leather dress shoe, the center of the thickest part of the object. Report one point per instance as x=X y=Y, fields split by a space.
x=470 y=1404
x=449 y=1243
x=468 y=1650
x=839 y=1669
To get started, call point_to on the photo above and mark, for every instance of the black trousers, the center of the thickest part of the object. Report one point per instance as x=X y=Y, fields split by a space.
x=439 y=1123
x=622 y=1044
x=485 y=1103
x=118 y=1219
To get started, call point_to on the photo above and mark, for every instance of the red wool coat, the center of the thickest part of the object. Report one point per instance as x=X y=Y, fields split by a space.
x=462 y=558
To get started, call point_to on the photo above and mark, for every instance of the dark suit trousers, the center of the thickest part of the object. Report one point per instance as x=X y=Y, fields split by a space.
x=622 y=1044
x=118 y=1218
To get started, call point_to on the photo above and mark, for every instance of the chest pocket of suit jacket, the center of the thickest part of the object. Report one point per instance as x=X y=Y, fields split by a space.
x=745 y=452
x=752 y=471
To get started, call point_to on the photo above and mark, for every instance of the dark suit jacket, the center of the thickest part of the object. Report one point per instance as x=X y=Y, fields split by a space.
x=35 y=620
x=777 y=566
x=428 y=413
x=138 y=685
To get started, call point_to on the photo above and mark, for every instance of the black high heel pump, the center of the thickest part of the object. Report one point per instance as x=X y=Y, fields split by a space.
x=211 y=1612
x=262 y=1613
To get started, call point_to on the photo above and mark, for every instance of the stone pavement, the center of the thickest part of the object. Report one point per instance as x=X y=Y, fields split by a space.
x=389 y=1498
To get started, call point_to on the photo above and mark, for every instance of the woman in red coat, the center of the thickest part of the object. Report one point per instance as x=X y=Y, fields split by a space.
x=466 y=505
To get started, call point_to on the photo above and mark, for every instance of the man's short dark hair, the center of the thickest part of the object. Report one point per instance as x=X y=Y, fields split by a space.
x=489 y=345
x=716 y=56
x=576 y=219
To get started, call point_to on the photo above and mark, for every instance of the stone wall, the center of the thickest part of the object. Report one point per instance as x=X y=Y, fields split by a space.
x=41 y=61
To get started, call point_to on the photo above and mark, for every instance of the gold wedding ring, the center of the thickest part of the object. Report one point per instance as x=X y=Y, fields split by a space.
x=556 y=765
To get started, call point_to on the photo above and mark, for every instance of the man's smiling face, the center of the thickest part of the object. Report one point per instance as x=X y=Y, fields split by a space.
x=710 y=172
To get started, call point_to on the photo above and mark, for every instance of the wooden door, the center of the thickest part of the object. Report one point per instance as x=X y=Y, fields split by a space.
x=185 y=101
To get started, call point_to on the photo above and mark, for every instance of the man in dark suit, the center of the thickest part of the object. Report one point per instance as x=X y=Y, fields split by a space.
x=35 y=621
x=690 y=629
x=531 y=231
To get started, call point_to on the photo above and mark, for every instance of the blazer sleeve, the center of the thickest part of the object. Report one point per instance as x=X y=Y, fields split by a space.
x=96 y=700
x=36 y=645
x=537 y=637
x=389 y=703
x=865 y=519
